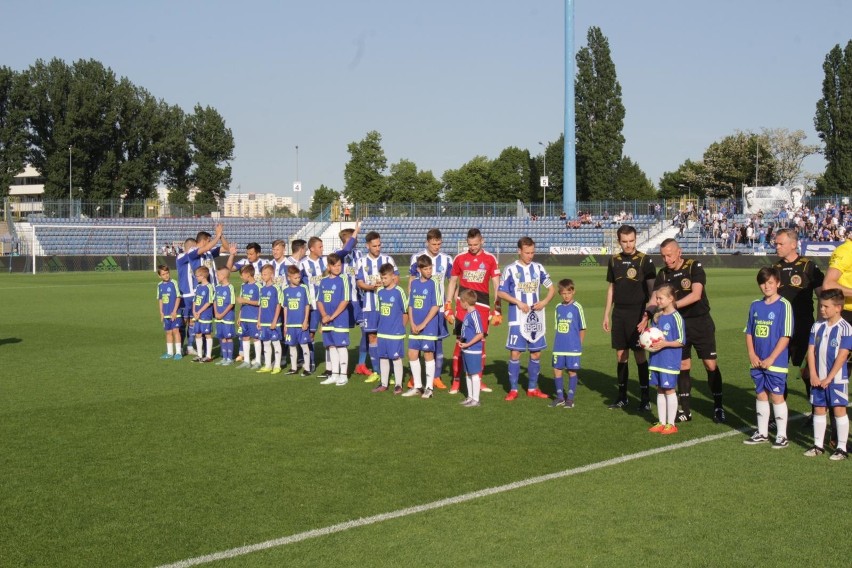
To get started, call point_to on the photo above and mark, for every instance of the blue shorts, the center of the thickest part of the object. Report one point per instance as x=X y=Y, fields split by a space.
x=835 y=394
x=355 y=315
x=225 y=330
x=663 y=380
x=185 y=309
x=335 y=338
x=248 y=330
x=472 y=362
x=270 y=333
x=425 y=345
x=371 y=321
x=566 y=362
x=516 y=342
x=296 y=336
x=314 y=322
x=442 y=326
x=392 y=349
x=170 y=324
x=768 y=381
x=202 y=328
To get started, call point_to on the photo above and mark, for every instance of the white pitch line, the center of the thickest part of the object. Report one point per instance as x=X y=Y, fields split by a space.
x=363 y=522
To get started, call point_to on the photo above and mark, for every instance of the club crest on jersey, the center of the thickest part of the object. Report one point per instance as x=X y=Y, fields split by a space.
x=772 y=315
x=631 y=272
x=796 y=280
x=685 y=284
x=466 y=264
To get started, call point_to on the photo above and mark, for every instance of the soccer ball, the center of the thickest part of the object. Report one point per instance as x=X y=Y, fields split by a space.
x=650 y=336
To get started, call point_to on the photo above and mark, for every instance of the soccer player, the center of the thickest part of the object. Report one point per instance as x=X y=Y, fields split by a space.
x=442 y=263
x=168 y=300
x=690 y=281
x=471 y=341
x=631 y=276
x=392 y=308
x=247 y=329
x=665 y=358
x=478 y=271
x=828 y=349
x=297 y=316
x=332 y=304
x=202 y=250
x=768 y=331
x=567 y=344
x=202 y=315
x=224 y=312
x=519 y=287
x=350 y=270
x=424 y=303
x=280 y=262
x=268 y=320
x=369 y=283
x=252 y=257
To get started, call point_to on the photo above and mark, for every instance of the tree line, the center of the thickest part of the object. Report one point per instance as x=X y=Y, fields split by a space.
x=117 y=139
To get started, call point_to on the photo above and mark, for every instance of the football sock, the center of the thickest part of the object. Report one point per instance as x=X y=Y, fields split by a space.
x=476 y=383
x=343 y=362
x=246 y=350
x=714 y=381
x=559 y=383
x=842 y=425
x=178 y=349
x=671 y=408
x=456 y=357
x=430 y=374
x=182 y=332
x=533 y=370
x=306 y=357
x=439 y=358
x=170 y=349
x=644 y=395
x=469 y=382
x=684 y=391
x=384 y=366
x=333 y=367
x=514 y=371
x=312 y=349
x=276 y=346
x=662 y=416
x=416 y=370
x=763 y=417
x=267 y=354
x=198 y=343
x=397 y=371
x=373 y=350
x=362 y=349
x=209 y=341
x=621 y=377
x=257 y=351
x=819 y=430
x=572 y=386
x=293 y=357
x=780 y=419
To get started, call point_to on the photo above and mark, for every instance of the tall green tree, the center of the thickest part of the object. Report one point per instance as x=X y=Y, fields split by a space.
x=731 y=163
x=690 y=177
x=833 y=120
x=406 y=184
x=364 y=174
x=471 y=182
x=13 y=141
x=323 y=197
x=631 y=182
x=510 y=176
x=790 y=151
x=599 y=118
x=213 y=149
x=174 y=153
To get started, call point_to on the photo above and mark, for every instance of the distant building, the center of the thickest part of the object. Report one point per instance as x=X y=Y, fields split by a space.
x=27 y=191
x=256 y=204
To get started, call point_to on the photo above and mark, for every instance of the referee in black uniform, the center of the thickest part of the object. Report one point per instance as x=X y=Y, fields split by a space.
x=631 y=278
x=801 y=278
x=689 y=280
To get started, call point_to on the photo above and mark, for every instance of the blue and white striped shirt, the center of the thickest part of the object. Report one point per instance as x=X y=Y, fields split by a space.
x=522 y=281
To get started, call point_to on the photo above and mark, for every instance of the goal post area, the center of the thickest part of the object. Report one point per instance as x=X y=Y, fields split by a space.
x=102 y=248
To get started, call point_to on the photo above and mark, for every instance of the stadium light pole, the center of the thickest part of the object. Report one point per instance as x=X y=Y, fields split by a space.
x=569 y=162
x=70 y=197
x=545 y=181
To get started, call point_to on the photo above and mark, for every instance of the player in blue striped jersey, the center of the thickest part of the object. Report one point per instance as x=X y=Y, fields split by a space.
x=768 y=331
x=252 y=257
x=223 y=309
x=664 y=364
x=424 y=303
x=828 y=349
x=168 y=300
x=202 y=250
x=369 y=282
x=519 y=286
x=567 y=344
x=442 y=264
x=392 y=307
x=332 y=306
x=249 y=302
x=202 y=315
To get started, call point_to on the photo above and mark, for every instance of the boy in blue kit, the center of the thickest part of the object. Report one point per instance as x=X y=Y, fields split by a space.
x=268 y=320
x=768 y=331
x=369 y=282
x=249 y=302
x=202 y=315
x=828 y=350
x=423 y=307
x=297 y=314
x=567 y=344
x=333 y=306
x=168 y=299
x=470 y=342
x=520 y=287
x=224 y=312
x=664 y=365
x=392 y=308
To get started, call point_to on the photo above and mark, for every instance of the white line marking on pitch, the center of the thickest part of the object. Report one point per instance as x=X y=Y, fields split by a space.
x=348 y=525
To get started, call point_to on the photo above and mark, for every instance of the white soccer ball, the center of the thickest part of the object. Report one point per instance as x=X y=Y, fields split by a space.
x=650 y=336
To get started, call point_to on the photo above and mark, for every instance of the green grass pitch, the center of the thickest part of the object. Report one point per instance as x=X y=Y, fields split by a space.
x=112 y=457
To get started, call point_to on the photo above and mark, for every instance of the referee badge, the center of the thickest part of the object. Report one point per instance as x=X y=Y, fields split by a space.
x=631 y=272
x=796 y=280
x=685 y=284
x=532 y=327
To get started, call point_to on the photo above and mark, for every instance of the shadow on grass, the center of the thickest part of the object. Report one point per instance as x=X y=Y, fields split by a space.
x=7 y=340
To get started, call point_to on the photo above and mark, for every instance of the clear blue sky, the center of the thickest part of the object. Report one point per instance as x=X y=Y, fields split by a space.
x=443 y=81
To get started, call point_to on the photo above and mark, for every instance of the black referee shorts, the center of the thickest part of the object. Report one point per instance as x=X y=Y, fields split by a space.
x=701 y=334
x=798 y=348
x=624 y=321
